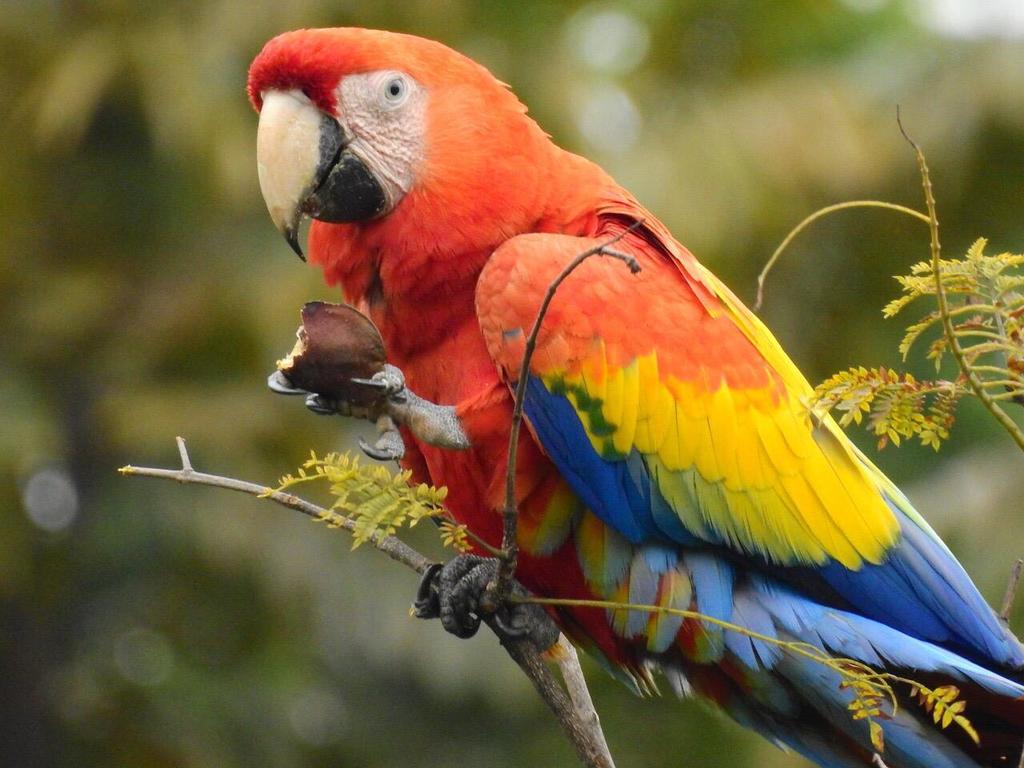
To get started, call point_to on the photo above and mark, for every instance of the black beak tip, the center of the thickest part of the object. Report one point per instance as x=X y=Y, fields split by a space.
x=291 y=234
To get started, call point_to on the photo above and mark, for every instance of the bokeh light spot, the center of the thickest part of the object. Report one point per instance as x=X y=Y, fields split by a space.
x=608 y=39
x=974 y=19
x=608 y=119
x=50 y=499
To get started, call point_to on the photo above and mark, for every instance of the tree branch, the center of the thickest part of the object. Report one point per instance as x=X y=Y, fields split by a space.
x=576 y=684
x=581 y=724
x=578 y=720
x=948 y=329
x=391 y=546
x=510 y=512
x=814 y=217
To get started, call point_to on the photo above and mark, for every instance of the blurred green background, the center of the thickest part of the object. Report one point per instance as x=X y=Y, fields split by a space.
x=146 y=295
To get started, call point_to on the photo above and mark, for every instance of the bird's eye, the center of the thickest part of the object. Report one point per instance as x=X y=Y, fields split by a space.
x=396 y=90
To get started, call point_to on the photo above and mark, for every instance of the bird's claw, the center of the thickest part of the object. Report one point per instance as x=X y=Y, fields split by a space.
x=321 y=405
x=427 y=605
x=389 y=445
x=390 y=380
x=456 y=592
x=282 y=385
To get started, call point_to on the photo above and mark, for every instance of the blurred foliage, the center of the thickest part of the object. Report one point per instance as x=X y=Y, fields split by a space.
x=147 y=295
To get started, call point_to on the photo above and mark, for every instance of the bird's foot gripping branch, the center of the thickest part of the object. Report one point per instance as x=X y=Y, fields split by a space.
x=338 y=364
x=458 y=592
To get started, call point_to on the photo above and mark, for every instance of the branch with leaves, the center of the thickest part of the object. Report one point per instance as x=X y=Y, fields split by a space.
x=895 y=405
x=979 y=306
x=979 y=315
x=986 y=325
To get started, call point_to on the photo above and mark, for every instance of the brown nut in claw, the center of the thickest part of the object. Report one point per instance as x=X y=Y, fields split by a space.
x=335 y=344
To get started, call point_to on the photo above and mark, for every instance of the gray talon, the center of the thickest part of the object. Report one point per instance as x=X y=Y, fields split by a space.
x=320 y=405
x=282 y=385
x=382 y=386
x=392 y=377
x=389 y=445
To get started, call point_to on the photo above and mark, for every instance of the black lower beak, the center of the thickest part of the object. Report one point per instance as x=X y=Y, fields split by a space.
x=349 y=192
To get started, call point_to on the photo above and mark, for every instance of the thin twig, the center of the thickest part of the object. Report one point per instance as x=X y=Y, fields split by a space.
x=578 y=724
x=510 y=512
x=478 y=541
x=391 y=546
x=1011 y=592
x=948 y=328
x=186 y=462
x=877 y=761
x=814 y=217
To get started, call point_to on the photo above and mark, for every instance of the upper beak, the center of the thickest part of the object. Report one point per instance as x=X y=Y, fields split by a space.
x=296 y=145
x=306 y=167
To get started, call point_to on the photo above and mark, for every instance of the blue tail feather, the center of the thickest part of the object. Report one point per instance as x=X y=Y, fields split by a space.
x=873 y=643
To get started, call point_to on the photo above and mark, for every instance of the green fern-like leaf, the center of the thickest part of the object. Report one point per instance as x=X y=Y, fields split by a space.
x=455 y=536
x=376 y=500
x=898 y=406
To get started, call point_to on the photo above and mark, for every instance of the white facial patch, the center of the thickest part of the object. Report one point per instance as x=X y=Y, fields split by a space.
x=385 y=114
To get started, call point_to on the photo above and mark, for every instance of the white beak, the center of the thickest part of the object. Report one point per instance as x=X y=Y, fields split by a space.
x=288 y=154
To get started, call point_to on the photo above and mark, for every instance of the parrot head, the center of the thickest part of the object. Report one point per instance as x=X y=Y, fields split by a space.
x=376 y=132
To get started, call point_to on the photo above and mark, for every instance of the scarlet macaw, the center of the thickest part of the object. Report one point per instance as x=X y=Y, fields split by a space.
x=670 y=457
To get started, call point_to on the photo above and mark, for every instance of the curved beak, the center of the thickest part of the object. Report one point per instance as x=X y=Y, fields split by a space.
x=304 y=167
x=296 y=144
